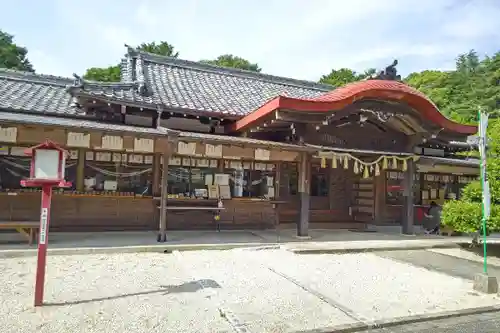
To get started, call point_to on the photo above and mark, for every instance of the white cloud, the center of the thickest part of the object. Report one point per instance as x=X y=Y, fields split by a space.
x=296 y=38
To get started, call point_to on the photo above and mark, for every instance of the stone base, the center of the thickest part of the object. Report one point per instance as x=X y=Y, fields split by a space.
x=485 y=283
x=303 y=237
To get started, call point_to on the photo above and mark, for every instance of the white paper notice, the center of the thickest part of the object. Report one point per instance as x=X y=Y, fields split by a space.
x=221 y=179
x=44 y=216
x=110 y=185
x=209 y=180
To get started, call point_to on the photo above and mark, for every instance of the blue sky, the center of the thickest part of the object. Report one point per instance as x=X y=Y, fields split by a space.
x=296 y=38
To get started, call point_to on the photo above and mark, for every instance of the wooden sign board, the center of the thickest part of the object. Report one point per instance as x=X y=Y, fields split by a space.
x=8 y=134
x=112 y=142
x=213 y=151
x=144 y=145
x=288 y=156
x=186 y=148
x=80 y=140
x=237 y=153
x=262 y=154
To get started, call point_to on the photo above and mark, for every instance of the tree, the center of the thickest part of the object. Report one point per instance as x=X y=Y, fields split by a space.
x=106 y=74
x=229 y=60
x=465 y=215
x=163 y=48
x=13 y=56
x=343 y=76
x=458 y=93
x=113 y=73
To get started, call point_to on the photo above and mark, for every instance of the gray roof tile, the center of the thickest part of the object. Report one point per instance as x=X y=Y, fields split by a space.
x=179 y=84
x=22 y=91
x=32 y=119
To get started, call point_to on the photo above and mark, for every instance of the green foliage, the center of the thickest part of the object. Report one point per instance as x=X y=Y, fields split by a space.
x=13 y=56
x=107 y=74
x=472 y=192
x=458 y=93
x=343 y=76
x=113 y=73
x=163 y=48
x=229 y=60
x=466 y=216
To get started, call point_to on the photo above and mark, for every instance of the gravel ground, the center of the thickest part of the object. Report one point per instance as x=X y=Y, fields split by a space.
x=115 y=293
x=377 y=288
x=221 y=291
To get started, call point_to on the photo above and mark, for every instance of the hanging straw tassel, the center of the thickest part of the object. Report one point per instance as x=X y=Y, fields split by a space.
x=346 y=162
x=405 y=165
x=356 y=167
x=384 y=163
x=334 y=162
x=366 y=173
x=323 y=162
x=394 y=163
x=377 y=170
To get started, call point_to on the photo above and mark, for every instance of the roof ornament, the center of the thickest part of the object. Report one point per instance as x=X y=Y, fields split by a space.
x=78 y=82
x=390 y=73
x=139 y=75
x=130 y=49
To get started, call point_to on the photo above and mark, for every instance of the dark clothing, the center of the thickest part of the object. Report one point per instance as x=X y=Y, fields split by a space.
x=433 y=221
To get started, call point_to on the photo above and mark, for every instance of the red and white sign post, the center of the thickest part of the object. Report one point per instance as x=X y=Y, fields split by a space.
x=48 y=163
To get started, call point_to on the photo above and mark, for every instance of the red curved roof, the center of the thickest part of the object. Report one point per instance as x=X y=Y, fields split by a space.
x=341 y=97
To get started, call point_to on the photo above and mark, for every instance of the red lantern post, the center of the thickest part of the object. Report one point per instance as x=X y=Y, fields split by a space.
x=47 y=171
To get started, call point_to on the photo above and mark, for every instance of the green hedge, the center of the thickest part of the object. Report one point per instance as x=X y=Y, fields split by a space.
x=465 y=217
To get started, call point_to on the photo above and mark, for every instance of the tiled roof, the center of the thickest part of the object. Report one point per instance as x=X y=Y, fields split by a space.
x=186 y=85
x=31 y=119
x=22 y=91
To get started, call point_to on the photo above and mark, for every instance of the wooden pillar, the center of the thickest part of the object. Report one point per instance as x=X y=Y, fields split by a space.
x=162 y=234
x=380 y=183
x=156 y=175
x=80 y=171
x=409 y=198
x=304 y=189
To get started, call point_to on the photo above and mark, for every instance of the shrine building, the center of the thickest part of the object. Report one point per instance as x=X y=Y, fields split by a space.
x=278 y=152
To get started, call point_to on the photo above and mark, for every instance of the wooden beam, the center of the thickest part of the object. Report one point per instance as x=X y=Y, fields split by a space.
x=295 y=117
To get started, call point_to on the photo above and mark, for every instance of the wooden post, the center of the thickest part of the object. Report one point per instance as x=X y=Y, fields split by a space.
x=304 y=189
x=380 y=183
x=156 y=175
x=409 y=196
x=162 y=234
x=80 y=171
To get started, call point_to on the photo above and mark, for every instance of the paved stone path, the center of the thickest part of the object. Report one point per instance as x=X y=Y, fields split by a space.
x=450 y=265
x=481 y=323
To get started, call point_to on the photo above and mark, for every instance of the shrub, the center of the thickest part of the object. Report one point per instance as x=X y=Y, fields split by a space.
x=472 y=192
x=466 y=217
